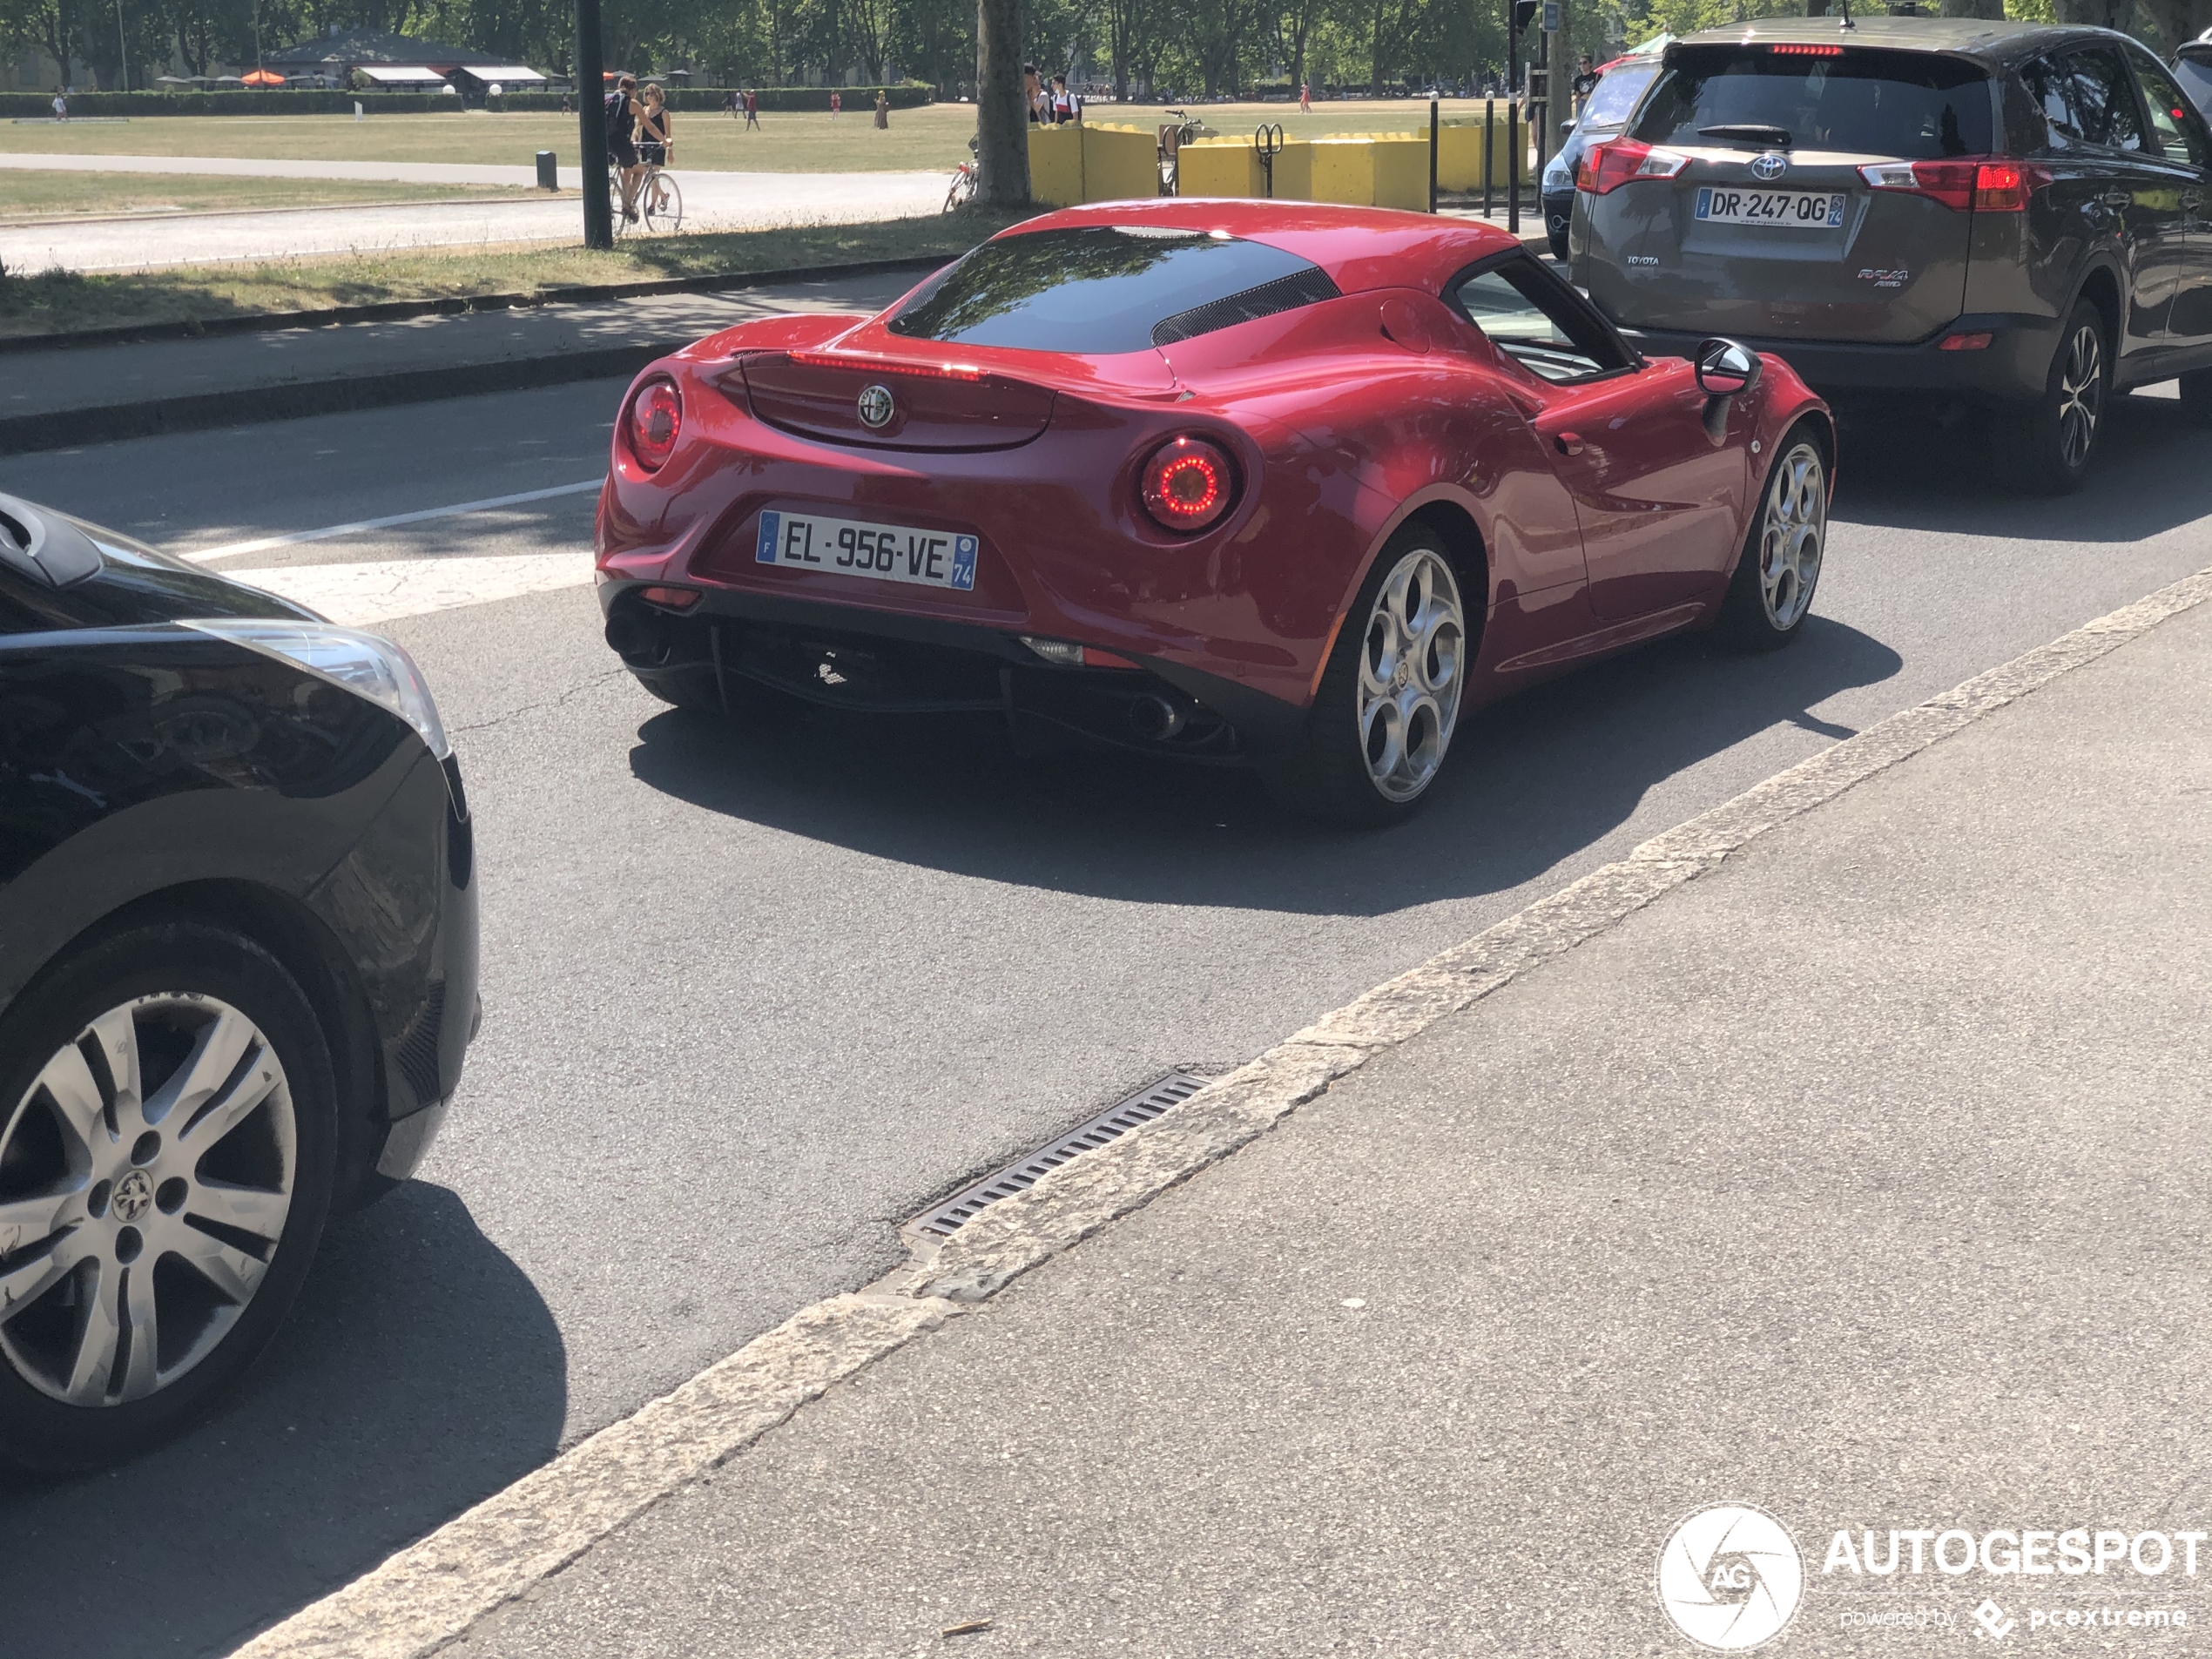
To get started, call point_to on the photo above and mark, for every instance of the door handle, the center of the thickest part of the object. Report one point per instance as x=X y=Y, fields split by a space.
x=1568 y=443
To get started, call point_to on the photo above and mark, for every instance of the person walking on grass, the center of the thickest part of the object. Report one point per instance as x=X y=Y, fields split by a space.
x=883 y=108
x=751 y=110
x=622 y=111
x=61 y=107
x=837 y=104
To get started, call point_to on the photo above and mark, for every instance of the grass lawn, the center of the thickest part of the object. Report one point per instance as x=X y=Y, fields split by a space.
x=30 y=194
x=57 y=302
x=931 y=138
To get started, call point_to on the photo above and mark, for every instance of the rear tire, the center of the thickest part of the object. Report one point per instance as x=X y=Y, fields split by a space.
x=188 y=1222
x=1379 y=728
x=2048 y=446
x=1776 y=573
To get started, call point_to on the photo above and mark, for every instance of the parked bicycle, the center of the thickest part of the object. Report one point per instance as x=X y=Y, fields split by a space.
x=1173 y=136
x=963 y=186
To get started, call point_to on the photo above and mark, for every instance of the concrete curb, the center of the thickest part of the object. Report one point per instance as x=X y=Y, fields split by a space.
x=430 y=1593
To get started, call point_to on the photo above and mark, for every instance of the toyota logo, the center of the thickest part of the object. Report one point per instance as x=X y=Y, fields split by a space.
x=876 y=407
x=1770 y=166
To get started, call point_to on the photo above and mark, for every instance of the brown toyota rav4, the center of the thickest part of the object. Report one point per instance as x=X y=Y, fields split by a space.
x=2009 y=212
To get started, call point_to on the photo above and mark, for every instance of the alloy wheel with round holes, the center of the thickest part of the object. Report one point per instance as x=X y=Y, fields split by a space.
x=167 y=1138
x=1389 y=699
x=1779 y=568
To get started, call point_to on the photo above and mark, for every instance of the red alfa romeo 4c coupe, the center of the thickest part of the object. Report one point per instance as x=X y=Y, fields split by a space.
x=1292 y=486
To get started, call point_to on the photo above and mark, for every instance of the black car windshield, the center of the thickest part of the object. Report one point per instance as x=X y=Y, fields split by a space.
x=1106 y=288
x=1913 y=106
x=1617 y=93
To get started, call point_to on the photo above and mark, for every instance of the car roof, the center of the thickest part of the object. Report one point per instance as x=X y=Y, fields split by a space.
x=1361 y=248
x=1993 y=41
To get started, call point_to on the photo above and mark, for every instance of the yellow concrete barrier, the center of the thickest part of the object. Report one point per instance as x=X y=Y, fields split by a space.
x=1458 y=155
x=1230 y=166
x=1083 y=161
x=1372 y=170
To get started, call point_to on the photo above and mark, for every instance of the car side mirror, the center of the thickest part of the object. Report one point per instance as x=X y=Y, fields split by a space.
x=1725 y=369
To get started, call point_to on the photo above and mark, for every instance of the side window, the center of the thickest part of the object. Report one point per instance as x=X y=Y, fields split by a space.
x=2052 y=90
x=1537 y=320
x=2175 y=127
x=2104 y=97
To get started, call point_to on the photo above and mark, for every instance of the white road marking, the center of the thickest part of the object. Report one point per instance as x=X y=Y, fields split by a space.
x=429 y=1594
x=361 y=596
x=262 y=544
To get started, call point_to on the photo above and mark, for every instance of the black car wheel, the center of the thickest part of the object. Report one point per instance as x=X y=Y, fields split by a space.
x=2049 y=446
x=167 y=1140
x=1376 y=733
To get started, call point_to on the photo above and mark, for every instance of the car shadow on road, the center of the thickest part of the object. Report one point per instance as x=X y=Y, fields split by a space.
x=1903 y=468
x=420 y=1372
x=1532 y=781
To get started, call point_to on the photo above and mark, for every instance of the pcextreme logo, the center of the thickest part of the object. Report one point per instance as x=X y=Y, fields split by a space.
x=1731 y=1577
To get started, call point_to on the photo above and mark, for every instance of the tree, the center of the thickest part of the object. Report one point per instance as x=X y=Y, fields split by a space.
x=1002 y=108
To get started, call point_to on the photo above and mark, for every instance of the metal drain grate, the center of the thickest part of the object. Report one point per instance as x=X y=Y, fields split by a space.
x=1024 y=1173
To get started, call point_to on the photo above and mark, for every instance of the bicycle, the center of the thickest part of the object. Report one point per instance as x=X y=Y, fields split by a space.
x=963 y=186
x=659 y=202
x=1173 y=136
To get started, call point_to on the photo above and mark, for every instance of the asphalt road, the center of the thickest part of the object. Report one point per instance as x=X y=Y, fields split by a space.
x=753 y=997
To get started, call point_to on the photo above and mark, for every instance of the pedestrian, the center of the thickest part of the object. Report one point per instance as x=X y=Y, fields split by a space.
x=622 y=111
x=1306 y=97
x=837 y=104
x=61 y=107
x=565 y=110
x=730 y=104
x=883 y=108
x=1063 y=102
x=655 y=143
x=1033 y=93
x=1584 y=84
x=751 y=110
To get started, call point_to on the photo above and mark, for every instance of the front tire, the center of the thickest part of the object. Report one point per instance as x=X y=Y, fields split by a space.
x=1771 y=593
x=2047 y=446
x=168 y=1134
x=1382 y=721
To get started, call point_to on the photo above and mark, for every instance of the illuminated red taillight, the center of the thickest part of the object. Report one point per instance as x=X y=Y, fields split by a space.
x=1187 y=484
x=1997 y=184
x=656 y=419
x=1606 y=167
x=1797 y=49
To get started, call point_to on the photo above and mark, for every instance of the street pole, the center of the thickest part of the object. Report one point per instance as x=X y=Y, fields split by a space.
x=1489 y=132
x=591 y=126
x=1512 y=111
x=1432 y=155
x=123 y=53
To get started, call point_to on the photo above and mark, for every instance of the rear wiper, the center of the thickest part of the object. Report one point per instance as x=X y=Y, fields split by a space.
x=1751 y=133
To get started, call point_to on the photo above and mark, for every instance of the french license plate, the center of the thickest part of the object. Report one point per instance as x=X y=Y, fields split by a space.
x=1804 y=210
x=849 y=547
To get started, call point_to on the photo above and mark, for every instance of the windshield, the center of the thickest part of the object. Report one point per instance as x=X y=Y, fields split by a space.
x=1912 y=106
x=1616 y=95
x=1107 y=289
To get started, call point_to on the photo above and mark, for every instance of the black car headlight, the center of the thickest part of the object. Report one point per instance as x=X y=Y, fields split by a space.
x=368 y=666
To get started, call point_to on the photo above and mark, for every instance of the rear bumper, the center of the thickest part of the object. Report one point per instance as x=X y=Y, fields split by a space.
x=867 y=661
x=2013 y=365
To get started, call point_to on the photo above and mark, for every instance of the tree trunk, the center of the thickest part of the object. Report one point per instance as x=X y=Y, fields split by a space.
x=1002 y=112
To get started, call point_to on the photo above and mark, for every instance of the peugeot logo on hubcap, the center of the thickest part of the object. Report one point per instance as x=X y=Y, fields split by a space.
x=1770 y=166
x=133 y=1193
x=876 y=407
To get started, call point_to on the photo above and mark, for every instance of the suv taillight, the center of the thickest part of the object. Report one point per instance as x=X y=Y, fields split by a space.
x=1975 y=183
x=1606 y=167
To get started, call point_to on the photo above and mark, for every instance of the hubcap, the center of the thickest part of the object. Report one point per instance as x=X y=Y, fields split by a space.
x=1409 y=674
x=145 y=1180
x=2081 y=394
x=1792 y=534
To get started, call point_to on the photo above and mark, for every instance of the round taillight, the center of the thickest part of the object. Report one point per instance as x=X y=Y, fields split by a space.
x=1187 y=484
x=656 y=418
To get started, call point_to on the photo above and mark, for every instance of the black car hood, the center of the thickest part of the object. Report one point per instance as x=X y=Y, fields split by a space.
x=131 y=585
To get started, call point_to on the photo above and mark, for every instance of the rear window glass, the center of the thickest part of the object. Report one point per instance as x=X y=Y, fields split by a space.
x=1106 y=288
x=1911 y=106
x=1617 y=94
x=2195 y=77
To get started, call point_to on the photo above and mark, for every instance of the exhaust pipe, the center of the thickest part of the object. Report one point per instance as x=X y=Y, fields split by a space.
x=1154 y=718
x=638 y=636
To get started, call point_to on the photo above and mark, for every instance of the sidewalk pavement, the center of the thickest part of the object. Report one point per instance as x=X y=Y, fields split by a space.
x=712 y=201
x=1862 y=1179
x=90 y=393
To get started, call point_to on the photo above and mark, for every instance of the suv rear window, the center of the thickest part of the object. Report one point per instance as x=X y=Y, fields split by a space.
x=1107 y=289
x=1912 y=106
